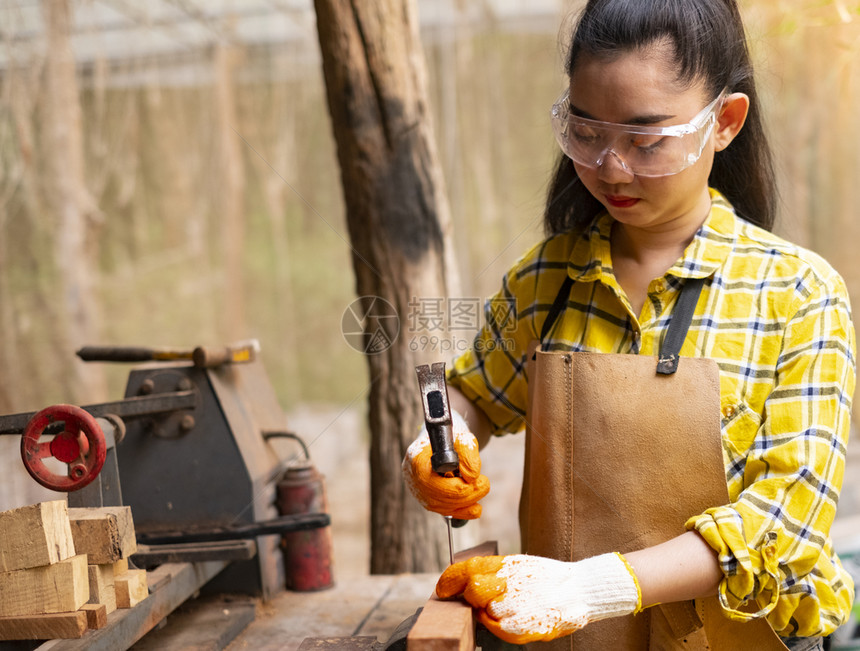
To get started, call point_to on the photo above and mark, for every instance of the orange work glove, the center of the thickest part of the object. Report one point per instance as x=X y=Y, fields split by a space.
x=523 y=599
x=450 y=495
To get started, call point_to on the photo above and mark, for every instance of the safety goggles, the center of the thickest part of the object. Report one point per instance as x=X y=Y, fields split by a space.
x=640 y=150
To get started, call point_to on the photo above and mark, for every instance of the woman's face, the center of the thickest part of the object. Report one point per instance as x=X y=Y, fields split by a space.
x=640 y=87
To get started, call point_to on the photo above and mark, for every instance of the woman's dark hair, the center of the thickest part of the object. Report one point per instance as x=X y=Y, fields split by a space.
x=710 y=45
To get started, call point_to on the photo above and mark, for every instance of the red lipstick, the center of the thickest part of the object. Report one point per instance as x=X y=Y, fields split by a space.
x=621 y=201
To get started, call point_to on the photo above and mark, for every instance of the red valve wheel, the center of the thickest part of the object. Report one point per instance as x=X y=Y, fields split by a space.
x=81 y=445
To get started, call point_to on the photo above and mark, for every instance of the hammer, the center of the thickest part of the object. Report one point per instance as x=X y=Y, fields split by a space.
x=437 y=416
x=202 y=356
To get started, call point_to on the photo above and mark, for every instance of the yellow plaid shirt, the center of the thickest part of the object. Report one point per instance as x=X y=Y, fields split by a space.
x=776 y=319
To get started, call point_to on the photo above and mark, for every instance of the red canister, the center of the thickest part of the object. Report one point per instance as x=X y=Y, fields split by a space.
x=307 y=554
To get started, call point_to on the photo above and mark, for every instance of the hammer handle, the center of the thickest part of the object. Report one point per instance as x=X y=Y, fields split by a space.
x=130 y=354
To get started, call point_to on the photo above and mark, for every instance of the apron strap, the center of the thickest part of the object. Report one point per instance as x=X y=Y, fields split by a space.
x=557 y=306
x=682 y=316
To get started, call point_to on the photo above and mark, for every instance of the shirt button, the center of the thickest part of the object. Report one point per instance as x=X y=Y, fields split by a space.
x=729 y=411
x=659 y=286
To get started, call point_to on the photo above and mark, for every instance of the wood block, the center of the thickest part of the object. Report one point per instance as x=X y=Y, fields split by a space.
x=104 y=534
x=131 y=588
x=58 y=588
x=35 y=535
x=120 y=567
x=102 y=588
x=96 y=615
x=443 y=626
x=448 y=625
x=44 y=627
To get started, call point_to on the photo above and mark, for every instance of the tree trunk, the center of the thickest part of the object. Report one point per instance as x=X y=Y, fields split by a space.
x=70 y=205
x=232 y=187
x=398 y=220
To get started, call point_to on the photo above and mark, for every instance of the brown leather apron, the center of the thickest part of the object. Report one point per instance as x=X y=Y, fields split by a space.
x=617 y=458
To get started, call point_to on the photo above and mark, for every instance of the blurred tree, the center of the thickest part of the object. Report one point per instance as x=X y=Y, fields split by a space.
x=231 y=175
x=68 y=203
x=398 y=219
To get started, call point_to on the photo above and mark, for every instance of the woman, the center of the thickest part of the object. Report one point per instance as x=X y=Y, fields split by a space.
x=658 y=246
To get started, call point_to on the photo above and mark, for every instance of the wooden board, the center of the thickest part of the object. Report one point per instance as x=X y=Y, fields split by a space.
x=104 y=534
x=35 y=535
x=347 y=609
x=96 y=615
x=130 y=588
x=363 y=643
x=178 y=582
x=61 y=587
x=44 y=627
x=443 y=626
x=448 y=625
x=203 y=624
x=102 y=588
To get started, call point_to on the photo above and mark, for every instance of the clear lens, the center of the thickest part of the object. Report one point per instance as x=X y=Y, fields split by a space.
x=643 y=150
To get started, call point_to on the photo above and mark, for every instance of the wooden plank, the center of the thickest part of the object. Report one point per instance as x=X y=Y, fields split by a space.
x=204 y=624
x=408 y=593
x=364 y=643
x=102 y=588
x=448 y=625
x=486 y=548
x=130 y=588
x=104 y=534
x=61 y=587
x=222 y=550
x=35 y=535
x=290 y=617
x=44 y=627
x=126 y=626
x=96 y=615
x=443 y=626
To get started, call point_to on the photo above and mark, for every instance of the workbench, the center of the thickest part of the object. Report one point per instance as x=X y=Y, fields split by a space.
x=170 y=619
x=365 y=606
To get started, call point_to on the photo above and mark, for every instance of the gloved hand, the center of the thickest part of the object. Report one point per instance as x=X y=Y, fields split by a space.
x=454 y=496
x=523 y=599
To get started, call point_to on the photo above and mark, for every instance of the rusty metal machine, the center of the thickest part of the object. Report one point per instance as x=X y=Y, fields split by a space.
x=188 y=449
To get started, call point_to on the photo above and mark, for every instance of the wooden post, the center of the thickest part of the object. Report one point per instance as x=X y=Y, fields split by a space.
x=231 y=187
x=69 y=205
x=398 y=222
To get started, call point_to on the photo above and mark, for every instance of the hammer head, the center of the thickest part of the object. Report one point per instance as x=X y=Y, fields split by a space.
x=437 y=417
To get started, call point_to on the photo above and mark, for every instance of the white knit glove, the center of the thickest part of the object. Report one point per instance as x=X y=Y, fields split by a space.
x=523 y=599
x=454 y=496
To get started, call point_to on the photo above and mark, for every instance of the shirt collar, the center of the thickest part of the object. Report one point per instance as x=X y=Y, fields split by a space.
x=704 y=255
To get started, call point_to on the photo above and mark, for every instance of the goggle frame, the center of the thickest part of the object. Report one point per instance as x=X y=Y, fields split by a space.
x=563 y=120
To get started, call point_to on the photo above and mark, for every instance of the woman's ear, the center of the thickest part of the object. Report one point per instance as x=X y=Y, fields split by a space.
x=730 y=119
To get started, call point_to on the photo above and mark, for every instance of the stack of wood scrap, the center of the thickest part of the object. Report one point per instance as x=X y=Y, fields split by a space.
x=63 y=570
x=106 y=536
